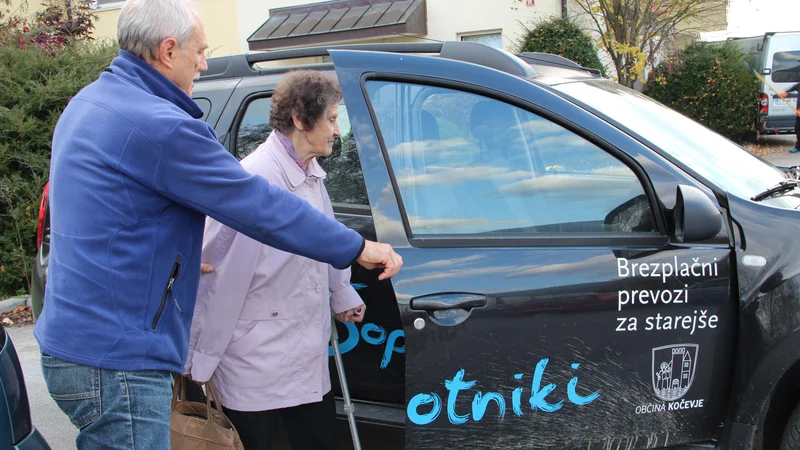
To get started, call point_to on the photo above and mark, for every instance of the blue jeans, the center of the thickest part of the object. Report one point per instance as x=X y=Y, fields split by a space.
x=113 y=409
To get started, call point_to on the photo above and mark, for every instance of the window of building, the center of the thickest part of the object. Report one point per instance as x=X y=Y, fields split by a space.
x=345 y=180
x=465 y=164
x=108 y=4
x=491 y=39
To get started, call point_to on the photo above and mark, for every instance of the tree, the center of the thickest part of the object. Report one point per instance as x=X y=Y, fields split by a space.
x=58 y=24
x=635 y=32
x=44 y=61
x=711 y=85
x=561 y=37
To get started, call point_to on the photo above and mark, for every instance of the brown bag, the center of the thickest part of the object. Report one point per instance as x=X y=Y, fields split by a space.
x=197 y=426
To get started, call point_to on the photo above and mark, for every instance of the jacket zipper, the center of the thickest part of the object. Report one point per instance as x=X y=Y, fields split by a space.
x=176 y=269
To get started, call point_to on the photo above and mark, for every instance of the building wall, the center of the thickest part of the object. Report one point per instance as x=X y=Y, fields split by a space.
x=748 y=18
x=220 y=23
x=447 y=19
x=230 y=22
x=17 y=4
x=220 y=17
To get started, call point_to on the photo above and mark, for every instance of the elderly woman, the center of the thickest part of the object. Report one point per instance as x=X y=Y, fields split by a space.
x=263 y=319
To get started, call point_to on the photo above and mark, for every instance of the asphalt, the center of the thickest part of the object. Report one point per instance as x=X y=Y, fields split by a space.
x=777 y=150
x=783 y=159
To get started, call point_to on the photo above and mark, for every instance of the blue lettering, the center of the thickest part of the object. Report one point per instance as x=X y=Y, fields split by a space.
x=574 y=397
x=350 y=343
x=538 y=395
x=374 y=335
x=454 y=386
x=480 y=402
x=516 y=397
x=370 y=327
x=424 y=399
x=391 y=348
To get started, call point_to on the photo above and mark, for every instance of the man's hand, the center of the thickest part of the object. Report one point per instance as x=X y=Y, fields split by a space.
x=206 y=268
x=355 y=315
x=377 y=255
x=783 y=94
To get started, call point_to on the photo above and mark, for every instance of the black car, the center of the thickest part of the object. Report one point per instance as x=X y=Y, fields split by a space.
x=16 y=428
x=584 y=268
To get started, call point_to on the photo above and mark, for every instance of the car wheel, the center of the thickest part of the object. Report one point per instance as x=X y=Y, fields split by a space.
x=791 y=435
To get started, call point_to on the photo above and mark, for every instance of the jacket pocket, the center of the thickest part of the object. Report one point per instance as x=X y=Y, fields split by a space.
x=173 y=275
x=75 y=389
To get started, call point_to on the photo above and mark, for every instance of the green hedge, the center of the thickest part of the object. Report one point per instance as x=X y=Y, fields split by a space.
x=36 y=86
x=561 y=37
x=710 y=84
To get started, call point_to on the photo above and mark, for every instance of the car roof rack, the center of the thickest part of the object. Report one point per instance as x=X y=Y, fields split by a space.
x=237 y=66
x=556 y=61
x=485 y=55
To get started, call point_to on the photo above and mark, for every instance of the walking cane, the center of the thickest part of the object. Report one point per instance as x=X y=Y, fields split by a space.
x=349 y=408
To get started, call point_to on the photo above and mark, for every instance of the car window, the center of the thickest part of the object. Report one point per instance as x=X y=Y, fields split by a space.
x=710 y=155
x=786 y=67
x=254 y=127
x=345 y=180
x=466 y=164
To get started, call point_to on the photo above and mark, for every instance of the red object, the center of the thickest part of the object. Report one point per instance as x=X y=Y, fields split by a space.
x=530 y=3
x=764 y=103
x=42 y=208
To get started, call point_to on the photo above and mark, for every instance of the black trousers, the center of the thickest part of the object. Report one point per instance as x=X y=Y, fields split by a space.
x=308 y=427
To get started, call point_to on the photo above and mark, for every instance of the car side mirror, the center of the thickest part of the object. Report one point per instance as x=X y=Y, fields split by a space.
x=766 y=71
x=696 y=218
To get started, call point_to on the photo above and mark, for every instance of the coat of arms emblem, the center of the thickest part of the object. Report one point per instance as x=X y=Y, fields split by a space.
x=673 y=370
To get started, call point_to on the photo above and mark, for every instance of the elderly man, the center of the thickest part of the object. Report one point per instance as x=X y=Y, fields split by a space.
x=134 y=173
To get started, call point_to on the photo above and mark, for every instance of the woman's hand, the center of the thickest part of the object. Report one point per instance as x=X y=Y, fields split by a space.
x=355 y=315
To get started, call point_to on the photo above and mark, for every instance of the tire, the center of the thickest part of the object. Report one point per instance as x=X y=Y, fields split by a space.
x=791 y=435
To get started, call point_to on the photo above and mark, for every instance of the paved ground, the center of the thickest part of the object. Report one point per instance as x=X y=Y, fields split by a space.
x=775 y=149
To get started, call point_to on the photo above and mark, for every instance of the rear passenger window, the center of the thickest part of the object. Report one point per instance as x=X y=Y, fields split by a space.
x=786 y=67
x=254 y=127
x=345 y=182
x=470 y=165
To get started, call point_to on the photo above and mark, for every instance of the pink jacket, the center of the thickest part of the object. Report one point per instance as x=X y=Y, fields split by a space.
x=261 y=326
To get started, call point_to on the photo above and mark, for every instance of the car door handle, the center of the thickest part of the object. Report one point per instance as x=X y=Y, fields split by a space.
x=448 y=301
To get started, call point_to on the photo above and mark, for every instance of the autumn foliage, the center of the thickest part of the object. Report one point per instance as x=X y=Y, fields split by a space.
x=710 y=84
x=45 y=59
x=636 y=33
x=561 y=37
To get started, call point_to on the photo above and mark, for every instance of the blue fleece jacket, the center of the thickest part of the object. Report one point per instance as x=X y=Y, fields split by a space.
x=134 y=172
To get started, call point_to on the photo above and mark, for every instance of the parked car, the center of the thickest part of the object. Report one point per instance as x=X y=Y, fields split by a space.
x=16 y=428
x=584 y=268
x=777 y=58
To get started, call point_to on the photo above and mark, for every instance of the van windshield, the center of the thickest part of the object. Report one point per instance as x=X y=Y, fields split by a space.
x=710 y=155
x=786 y=67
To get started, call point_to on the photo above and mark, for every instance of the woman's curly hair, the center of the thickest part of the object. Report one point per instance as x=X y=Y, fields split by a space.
x=306 y=93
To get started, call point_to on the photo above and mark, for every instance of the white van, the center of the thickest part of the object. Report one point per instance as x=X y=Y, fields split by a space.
x=777 y=59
